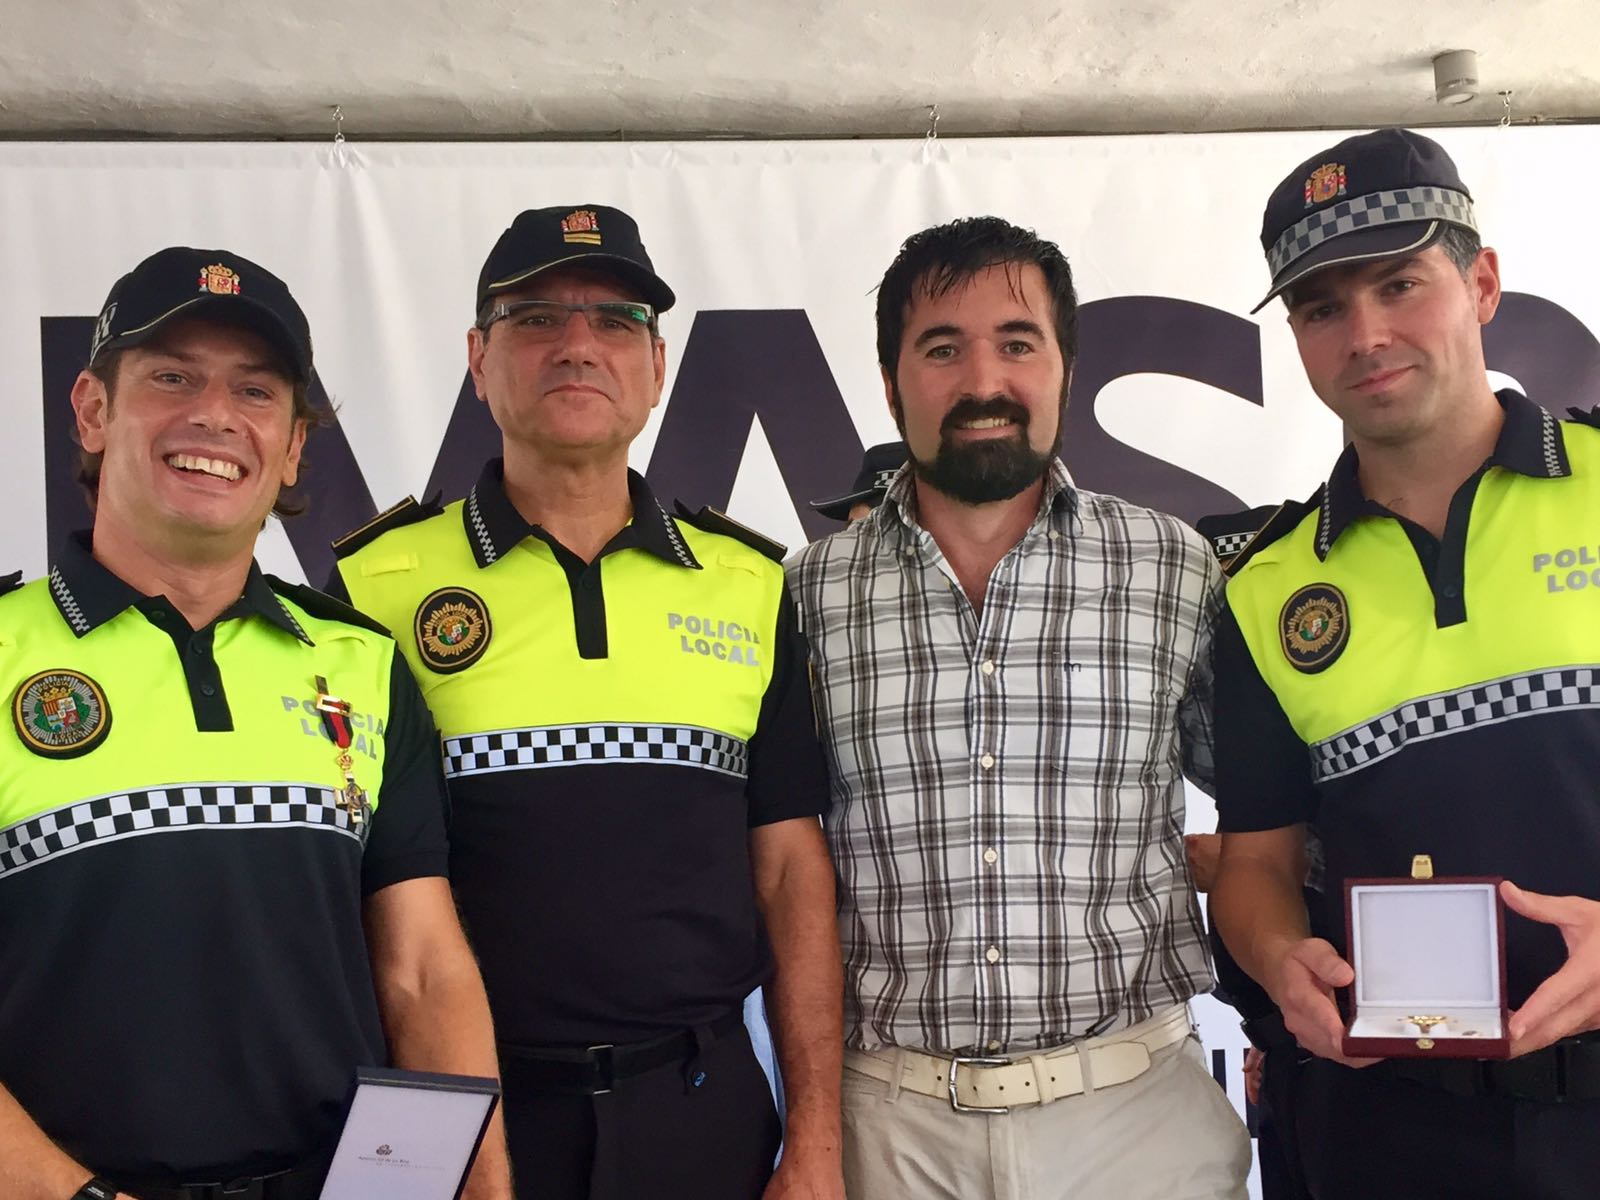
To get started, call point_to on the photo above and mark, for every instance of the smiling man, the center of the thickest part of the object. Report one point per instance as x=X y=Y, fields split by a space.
x=632 y=757
x=216 y=900
x=1011 y=677
x=1407 y=663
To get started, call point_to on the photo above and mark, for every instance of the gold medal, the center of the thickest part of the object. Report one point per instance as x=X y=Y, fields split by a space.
x=352 y=797
x=1426 y=1023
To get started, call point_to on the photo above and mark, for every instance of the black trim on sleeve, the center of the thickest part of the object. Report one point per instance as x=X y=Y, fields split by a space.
x=1263 y=768
x=409 y=838
x=788 y=772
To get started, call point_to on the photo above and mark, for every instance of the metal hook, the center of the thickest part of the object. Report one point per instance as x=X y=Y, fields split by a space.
x=338 y=124
x=933 y=122
x=1505 y=117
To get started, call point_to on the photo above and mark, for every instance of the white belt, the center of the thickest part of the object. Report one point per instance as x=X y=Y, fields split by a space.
x=974 y=1083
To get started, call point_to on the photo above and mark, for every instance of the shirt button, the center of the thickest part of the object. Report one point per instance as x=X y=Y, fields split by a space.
x=986 y=761
x=988 y=667
x=207 y=690
x=993 y=1046
x=1451 y=591
x=590 y=583
x=992 y=954
x=991 y=856
x=158 y=614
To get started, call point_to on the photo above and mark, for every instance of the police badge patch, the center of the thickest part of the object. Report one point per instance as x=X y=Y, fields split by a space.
x=61 y=714
x=1314 y=626
x=453 y=630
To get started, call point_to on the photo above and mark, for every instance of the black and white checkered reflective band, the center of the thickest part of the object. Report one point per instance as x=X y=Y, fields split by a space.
x=1369 y=212
x=178 y=809
x=1565 y=690
x=480 y=529
x=596 y=745
x=1229 y=544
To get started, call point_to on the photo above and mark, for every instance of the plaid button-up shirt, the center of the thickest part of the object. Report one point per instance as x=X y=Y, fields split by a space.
x=1007 y=816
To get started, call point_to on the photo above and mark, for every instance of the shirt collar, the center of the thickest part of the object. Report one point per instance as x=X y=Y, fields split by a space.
x=494 y=526
x=1530 y=443
x=88 y=594
x=900 y=502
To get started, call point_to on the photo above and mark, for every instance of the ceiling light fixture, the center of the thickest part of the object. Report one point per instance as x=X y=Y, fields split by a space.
x=1455 y=76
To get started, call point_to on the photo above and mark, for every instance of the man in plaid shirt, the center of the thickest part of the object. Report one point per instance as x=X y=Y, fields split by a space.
x=1012 y=677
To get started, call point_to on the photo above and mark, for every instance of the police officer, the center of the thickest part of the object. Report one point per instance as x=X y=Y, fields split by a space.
x=1405 y=662
x=222 y=843
x=878 y=466
x=633 y=764
x=1273 y=1060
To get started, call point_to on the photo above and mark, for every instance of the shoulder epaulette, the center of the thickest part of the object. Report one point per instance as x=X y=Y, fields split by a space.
x=1288 y=516
x=713 y=521
x=407 y=512
x=1586 y=416
x=11 y=582
x=1230 y=533
x=320 y=604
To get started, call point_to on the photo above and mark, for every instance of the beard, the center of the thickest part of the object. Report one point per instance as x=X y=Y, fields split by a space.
x=985 y=470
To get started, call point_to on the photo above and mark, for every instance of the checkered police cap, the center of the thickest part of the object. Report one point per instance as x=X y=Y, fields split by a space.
x=1406 y=193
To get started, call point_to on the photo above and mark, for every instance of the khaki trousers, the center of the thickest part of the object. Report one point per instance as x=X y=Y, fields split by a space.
x=1170 y=1134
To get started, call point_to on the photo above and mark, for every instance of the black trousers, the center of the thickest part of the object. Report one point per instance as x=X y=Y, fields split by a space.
x=1365 y=1135
x=656 y=1137
x=1276 y=1151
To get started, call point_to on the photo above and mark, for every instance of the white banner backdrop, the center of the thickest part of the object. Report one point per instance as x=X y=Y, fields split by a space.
x=382 y=246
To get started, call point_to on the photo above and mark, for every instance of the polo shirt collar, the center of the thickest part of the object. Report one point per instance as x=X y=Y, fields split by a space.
x=494 y=526
x=88 y=594
x=1530 y=444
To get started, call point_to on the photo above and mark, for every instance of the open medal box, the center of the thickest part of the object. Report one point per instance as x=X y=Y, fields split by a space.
x=1430 y=967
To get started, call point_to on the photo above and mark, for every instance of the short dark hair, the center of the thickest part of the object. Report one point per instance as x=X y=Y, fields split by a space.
x=107 y=366
x=1461 y=246
x=945 y=256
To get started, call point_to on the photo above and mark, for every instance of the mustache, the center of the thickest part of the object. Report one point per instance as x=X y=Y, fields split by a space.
x=970 y=408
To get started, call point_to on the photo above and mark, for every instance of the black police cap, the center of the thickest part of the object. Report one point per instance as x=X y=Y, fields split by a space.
x=213 y=285
x=590 y=235
x=1372 y=196
x=878 y=467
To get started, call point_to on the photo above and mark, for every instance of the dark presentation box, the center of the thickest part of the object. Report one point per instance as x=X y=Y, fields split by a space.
x=1430 y=964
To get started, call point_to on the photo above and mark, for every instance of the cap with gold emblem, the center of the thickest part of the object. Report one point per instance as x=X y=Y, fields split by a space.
x=589 y=235
x=1372 y=196
x=211 y=284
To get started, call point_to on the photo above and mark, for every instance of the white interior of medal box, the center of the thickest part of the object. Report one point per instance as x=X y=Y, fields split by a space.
x=1425 y=950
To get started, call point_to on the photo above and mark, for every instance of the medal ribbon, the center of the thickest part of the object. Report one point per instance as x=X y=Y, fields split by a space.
x=335 y=715
x=336 y=721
